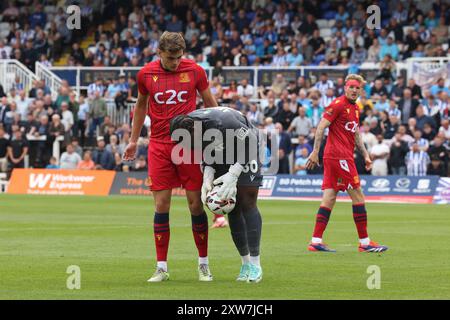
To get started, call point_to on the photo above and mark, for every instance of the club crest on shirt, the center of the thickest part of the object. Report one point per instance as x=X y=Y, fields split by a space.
x=348 y=110
x=155 y=78
x=184 y=77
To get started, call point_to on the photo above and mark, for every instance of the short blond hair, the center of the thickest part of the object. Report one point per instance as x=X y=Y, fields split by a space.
x=357 y=77
x=172 y=42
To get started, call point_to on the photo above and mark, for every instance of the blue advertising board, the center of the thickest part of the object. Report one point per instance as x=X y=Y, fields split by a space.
x=395 y=188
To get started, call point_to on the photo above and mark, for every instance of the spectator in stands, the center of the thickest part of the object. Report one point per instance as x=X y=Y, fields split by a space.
x=123 y=94
x=398 y=150
x=140 y=165
x=308 y=26
x=417 y=161
x=102 y=157
x=280 y=58
x=56 y=128
x=387 y=67
x=407 y=105
x=315 y=110
x=67 y=119
x=324 y=84
x=82 y=116
x=318 y=45
x=113 y=145
x=303 y=143
x=391 y=127
x=438 y=151
x=301 y=125
x=255 y=116
x=271 y=110
x=422 y=119
x=53 y=164
x=300 y=162
x=284 y=148
x=97 y=86
x=3 y=150
x=445 y=128
x=285 y=116
x=279 y=84
x=245 y=89
x=380 y=154
x=230 y=92
x=421 y=142
x=436 y=167
x=86 y=163
x=17 y=150
x=216 y=88
x=294 y=57
x=97 y=112
x=4 y=108
x=69 y=159
x=440 y=86
x=382 y=104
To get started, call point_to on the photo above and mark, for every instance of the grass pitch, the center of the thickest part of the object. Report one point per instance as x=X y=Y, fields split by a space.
x=111 y=240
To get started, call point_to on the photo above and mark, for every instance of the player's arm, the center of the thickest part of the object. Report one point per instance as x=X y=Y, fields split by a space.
x=362 y=148
x=140 y=111
x=313 y=158
x=208 y=99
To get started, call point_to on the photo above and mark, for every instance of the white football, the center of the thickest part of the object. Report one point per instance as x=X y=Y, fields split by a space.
x=218 y=206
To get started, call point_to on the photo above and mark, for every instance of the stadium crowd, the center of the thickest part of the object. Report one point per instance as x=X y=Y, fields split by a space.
x=404 y=126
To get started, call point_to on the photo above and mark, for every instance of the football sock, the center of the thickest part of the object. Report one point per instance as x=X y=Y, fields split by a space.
x=245 y=259
x=238 y=231
x=322 y=217
x=255 y=260
x=161 y=231
x=253 y=223
x=203 y=260
x=316 y=240
x=364 y=241
x=200 y=232
x=360 y=218
x=162 y=265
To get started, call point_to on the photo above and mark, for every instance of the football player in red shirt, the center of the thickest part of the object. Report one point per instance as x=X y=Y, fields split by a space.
x=168 y=88
x=341 y=117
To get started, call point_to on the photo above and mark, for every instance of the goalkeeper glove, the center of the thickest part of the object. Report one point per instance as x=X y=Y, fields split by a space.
x=208 y=178
x=229 y=181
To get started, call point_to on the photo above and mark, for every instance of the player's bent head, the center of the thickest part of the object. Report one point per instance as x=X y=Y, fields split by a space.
x=182 y=121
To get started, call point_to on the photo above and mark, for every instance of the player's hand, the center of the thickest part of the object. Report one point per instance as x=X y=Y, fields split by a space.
x=313 y=160
x=130 y=152
x=228 y=187
x=208 y=179
x=368 y=162
x=229 y=182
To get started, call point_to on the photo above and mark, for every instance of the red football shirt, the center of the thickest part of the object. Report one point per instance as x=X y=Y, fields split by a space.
x=344 y=118
x=170 y=93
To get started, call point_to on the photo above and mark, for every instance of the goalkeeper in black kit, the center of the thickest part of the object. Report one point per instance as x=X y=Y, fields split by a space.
x=229 y=146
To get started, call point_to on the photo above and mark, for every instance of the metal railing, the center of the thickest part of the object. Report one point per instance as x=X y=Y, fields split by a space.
x=10 y=69
x=51 y=79
x=80 y=77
